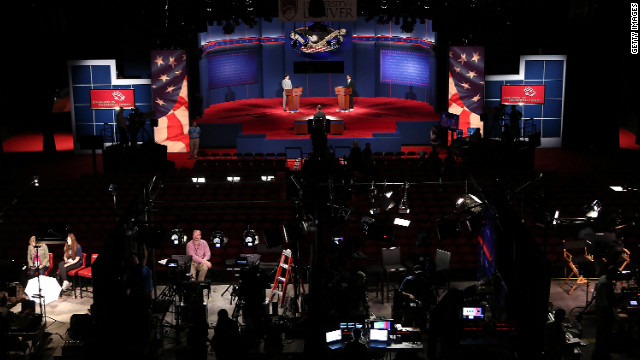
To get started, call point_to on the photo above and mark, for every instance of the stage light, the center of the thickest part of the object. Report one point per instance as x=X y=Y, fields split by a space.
x=35 y=181
x=113 y=188
x=228 y=28
x=593 y=209
x=268 y=178
x=404 y=204
x=233 y=178
x=178 y=237
x=250 y=237
x=218 y=239
x=556 y=217
x=365 y=222
x=617 y=188
x=316 y=9
x=407 y=26
x=198 y=180
x=468 y=202
x=401 y=222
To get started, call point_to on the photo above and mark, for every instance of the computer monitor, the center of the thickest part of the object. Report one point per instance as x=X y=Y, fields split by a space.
x=378 y=335
x=472 y=313
x=381 y=324
x=333 y=335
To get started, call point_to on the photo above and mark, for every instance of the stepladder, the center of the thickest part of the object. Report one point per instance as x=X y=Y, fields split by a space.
x=284 y=277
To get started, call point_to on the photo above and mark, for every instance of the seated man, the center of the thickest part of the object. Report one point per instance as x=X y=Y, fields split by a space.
x=320 y=119
x=417 y=296
x=200 y=255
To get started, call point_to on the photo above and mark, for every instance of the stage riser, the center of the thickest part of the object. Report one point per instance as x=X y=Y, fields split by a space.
x=262 y=145
x=229 y=135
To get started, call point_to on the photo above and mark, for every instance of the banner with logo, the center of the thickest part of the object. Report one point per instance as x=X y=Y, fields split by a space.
x=112 y=98
x=334 y=10
x=522 y=94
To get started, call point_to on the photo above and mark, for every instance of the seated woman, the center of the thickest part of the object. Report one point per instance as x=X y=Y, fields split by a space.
x=72 y=259
x=37 y=257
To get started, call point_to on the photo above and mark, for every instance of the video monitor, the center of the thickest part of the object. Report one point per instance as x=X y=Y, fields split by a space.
x=449 y=120
x=381 y=324
x=378 y=335
x=472 y=313
x=334 y=335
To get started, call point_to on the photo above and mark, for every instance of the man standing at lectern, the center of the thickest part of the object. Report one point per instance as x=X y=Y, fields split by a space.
x=350 y=85
x=286 y=84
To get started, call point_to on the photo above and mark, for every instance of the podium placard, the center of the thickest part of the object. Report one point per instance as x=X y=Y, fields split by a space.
x=343 y=97
x=293 y=98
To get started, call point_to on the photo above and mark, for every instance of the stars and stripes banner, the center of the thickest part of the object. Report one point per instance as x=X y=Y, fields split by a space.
x=466 y=85
x=170 y=100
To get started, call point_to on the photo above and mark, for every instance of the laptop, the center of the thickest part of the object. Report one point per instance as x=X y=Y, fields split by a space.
x=334 y=339
x=182 y=259
x=378 y=338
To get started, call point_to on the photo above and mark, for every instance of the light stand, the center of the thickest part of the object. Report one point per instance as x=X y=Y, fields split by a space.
x=43 y=306
x=234 y=285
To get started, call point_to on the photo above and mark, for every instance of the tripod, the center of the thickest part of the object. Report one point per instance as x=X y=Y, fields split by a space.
x=234 y=285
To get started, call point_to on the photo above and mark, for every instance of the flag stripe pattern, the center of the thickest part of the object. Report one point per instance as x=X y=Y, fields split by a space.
x=466 y=85
x=170 y=98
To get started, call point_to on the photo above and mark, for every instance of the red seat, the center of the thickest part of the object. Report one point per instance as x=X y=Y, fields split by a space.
x=74 y=273
x=86 y=273
x=51 y=265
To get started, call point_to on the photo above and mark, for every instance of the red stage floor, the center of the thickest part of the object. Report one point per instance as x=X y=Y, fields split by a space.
x=265 y=116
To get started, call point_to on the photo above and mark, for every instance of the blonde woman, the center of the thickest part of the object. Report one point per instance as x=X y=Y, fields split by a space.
x=37 y=257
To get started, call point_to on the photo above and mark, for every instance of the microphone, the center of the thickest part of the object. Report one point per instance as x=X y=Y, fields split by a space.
x=37 y=246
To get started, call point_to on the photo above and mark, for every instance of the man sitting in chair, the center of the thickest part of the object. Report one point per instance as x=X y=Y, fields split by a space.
x=200 y=255
x=417 y=295
x=319 y=118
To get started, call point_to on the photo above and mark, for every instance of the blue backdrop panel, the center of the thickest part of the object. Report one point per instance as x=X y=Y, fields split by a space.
x=415 y=132
x=404 y=68
x=272 y=45
x=220 y=135
x=231 y=69
x=86 y=75
x=547 y=70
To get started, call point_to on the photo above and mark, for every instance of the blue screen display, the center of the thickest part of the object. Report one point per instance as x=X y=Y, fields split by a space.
x=404 y=68
x=231 y=69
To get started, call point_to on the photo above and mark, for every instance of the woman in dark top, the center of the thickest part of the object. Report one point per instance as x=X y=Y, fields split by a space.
x=72 y=259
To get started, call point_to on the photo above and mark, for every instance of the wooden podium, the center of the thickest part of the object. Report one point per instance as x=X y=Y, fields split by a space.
x=293 y=98
x=343 y=97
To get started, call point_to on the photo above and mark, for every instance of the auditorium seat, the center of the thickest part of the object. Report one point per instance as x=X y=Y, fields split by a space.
x=73 y=274
x=51 y=265
x=85 y=273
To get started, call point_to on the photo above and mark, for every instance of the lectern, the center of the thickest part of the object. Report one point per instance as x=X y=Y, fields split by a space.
x=293 y=98
x=343 y=97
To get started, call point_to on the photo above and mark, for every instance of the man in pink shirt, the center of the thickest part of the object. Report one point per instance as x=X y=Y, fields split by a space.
x=200 y=255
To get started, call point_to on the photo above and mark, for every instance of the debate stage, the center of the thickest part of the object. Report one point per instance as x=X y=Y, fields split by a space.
x=260 y=125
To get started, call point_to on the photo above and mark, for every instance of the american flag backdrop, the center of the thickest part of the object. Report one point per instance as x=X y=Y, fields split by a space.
x=466 y=85
x=170 y=101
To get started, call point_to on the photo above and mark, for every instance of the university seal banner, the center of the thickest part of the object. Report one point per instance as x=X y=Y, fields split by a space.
x=335 y=10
